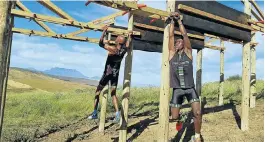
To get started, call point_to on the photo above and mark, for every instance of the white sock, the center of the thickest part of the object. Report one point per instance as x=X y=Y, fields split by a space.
x=197 y=135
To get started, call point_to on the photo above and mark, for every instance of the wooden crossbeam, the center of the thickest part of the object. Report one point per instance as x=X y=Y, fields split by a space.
x=212 y=16
x=257 y=28
x=261 y=25
x=100 y=20
x=56 y=20
x=86 y=30
x=162 y=29
x=224 y=39
x=40 y=23
x=257 y=8
x=214 y=47
x=211 y=40
x=133 y=8
x=55 y=9
x=53 y=35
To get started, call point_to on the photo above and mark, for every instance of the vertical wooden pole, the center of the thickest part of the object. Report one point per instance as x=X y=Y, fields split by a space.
x=253 y=73
x=221 y=87
x=245 y=78
x=162 y=132
x=104 y=101
x=126 y=87
x=199 y=71
x=6 y=25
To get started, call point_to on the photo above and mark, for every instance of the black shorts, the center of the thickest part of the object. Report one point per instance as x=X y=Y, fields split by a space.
x=111 y=73
x=179 y=94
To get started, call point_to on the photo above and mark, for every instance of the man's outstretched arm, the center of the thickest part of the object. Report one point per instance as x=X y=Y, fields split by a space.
x=186 y=40
x=105 y=44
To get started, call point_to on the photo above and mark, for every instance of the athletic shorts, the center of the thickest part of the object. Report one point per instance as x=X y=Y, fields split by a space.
x=111 y=73
x=179 y=94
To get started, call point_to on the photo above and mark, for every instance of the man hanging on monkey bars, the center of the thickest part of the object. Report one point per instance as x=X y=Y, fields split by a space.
x=111 y=72
x=181 y=75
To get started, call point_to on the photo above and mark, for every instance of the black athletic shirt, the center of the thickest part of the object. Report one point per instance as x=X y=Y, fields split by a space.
x=181 y=71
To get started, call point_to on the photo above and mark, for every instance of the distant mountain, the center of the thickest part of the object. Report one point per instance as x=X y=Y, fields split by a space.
x=65 y=72
x=31 y=69
x=94 y=78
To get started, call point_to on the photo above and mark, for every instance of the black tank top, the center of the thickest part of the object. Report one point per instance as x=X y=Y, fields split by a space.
x=181 y=71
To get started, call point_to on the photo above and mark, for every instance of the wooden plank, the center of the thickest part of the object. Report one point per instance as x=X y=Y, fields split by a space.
x=257 y=7
x=5 y=45
x=56 y=20
x=104 y=102
x=253 y=92
x=97 y=21
x=53 y=35
x=162 y=133
x=221 y=87
x=126 y=87
x=214 y=47
x=162 y=29
x=245 y=79
x=218 y=9
x=257 y=28
x=48 y=4
x=132 y=7
x=211 y=40
x=199 y=71
x=212 y=16
x=211 y=26
x=224 y=39
x=40 y=23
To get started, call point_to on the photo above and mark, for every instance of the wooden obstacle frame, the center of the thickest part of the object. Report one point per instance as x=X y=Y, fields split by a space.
x=145 y=22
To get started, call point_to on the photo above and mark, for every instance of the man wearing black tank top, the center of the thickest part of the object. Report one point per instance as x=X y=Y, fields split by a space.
x=181 y=75
x=111 y=72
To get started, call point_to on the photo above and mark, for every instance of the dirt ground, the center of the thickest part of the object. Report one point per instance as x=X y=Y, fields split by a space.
x=220 y=124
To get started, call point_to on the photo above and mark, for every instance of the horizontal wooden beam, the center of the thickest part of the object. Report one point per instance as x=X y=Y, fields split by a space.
x=162 y=29
x=214 y=47
x=257 y=7
x=48 y=4
x=211 y=16
x=40 y=23
x=133 y=8
x=257 y=28
x=61 y=21
x=224 y=39
x=256 y=23
x=211 y=40
x=97 y=21
x=53 y=35
x=86 y=30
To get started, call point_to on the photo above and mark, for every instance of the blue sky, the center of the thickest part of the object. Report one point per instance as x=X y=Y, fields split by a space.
x=44 y=53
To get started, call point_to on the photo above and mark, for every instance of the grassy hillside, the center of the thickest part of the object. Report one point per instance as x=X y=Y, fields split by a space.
x=41 y=81
x=44 y=104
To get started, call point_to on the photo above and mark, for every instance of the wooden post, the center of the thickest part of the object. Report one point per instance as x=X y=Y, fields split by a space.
x=162 y=132
x=6 y=25
x=126 y=87
x=245 y=78
x=199 y=72
x=221 y=87
x=253 y=73
x=105 y=92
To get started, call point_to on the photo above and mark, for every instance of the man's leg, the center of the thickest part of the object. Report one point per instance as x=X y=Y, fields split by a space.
x=114 y=98
x=102 y=83
x=193 y=98
x=175 y=103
